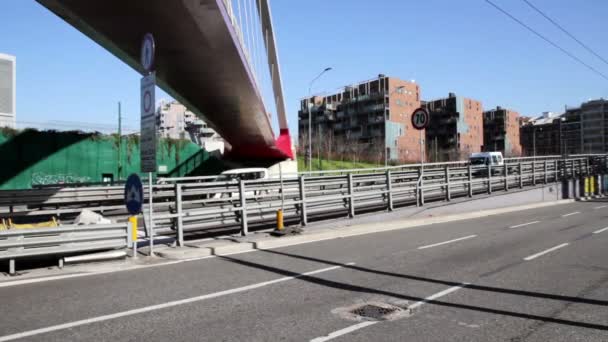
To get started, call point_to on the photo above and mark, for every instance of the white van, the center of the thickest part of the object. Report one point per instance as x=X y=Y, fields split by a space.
x=235 y=175
x=493 y=159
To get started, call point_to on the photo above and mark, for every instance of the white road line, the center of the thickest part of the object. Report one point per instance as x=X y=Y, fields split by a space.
x=545 y=251
x=361 y=325
x=600 y=230
x=446 y=242
x=601 y=206
x=523 y=224
x=161 y=306
x=574 y=213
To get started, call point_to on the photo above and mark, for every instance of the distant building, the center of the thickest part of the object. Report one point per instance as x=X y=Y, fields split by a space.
x=369 y=120
x=541 y=136
x=501 y=131
x=455 y=128
x=8 y=89
x=176 y=122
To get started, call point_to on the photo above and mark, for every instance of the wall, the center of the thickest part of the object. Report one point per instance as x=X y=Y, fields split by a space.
x=35 y=158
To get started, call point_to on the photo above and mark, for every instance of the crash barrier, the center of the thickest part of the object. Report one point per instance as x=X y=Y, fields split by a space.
x=23 y=243
x=183 y=206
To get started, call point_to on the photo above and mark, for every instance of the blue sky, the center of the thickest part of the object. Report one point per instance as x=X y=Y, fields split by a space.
x=465 y=46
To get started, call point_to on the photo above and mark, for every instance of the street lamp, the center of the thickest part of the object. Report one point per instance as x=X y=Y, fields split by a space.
x=385 y=119
x=310 y=120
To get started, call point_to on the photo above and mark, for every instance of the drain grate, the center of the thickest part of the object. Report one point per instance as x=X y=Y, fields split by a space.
x=375 y=312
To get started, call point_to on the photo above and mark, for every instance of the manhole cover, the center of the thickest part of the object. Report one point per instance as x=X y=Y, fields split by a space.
x=374 y=311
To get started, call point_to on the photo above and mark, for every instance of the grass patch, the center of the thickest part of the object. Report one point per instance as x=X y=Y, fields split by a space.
x=325 y=165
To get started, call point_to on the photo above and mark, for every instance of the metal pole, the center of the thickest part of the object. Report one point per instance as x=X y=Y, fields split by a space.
x=308 y=104
x=303 y=218
x=389 y=190
x=534 y=140
x=243 y=200
x=119 y=141
x=150 y=214
x=506 y=175
x=180 y=220
x=470 y=181
x=351 y=197
x=448 y=195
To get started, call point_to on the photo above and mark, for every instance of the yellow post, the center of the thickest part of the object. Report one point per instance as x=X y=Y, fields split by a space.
x=133 y=221
x=586 y=186
x=592 y=181
x=280 y=219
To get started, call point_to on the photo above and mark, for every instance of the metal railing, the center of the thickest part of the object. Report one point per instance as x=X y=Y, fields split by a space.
x=183 y=206
x=22 y=243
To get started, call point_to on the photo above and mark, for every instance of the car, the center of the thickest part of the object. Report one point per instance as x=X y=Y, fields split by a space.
x=492 y=159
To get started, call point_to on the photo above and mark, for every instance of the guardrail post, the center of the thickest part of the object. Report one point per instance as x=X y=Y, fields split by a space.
x=351 y=198
x=533 y=172
x=243 y=200
x=448 y=195
x=490 y=179
x=545 y=167
x=11 y=266
x=303 y=217
x=470 y=181
x=555 y=171
x=521 y=172
x=421 y=186
x=506 y=175
x=180 y=219
x=389 y=190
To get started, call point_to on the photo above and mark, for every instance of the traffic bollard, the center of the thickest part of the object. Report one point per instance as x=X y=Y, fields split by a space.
x=280 y=225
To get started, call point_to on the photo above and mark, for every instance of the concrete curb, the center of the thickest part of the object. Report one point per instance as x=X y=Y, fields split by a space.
x=215 y=248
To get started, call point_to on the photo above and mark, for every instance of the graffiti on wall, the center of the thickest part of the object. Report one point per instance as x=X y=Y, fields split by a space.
x=41 y=178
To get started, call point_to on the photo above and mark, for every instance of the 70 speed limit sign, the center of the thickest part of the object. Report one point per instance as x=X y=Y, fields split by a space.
x=420 y=119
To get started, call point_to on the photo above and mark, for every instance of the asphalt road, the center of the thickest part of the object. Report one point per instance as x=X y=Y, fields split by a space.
x=535 y=275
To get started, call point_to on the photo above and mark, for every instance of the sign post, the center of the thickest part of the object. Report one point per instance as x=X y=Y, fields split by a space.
x=420 y=121
x=134 y=198
x=148 y=122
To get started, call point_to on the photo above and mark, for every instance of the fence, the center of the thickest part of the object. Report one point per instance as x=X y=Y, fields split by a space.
x=185 y=206
x=22 y=243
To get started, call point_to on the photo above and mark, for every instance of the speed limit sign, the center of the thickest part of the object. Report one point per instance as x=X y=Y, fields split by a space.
x=420 y=119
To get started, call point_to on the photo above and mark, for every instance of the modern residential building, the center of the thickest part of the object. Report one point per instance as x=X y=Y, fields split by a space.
x=501 y=132
x=369 y=120
x=541 y=135
x=8 y=90
x=455 y=128
x=594 y=126
x=175 y=121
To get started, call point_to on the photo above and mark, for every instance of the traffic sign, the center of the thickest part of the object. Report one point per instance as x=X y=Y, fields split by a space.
x=147 y=52
x=420 y=119
x=148 y=124
x=134 y=194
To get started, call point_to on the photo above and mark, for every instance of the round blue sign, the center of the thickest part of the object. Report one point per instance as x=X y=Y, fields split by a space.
x=134 y=194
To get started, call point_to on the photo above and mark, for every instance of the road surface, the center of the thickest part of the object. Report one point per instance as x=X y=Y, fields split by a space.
x=534 y=275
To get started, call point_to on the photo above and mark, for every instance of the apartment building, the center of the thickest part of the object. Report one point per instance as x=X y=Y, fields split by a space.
x=175 y=121
x=369 y=120
x=455 y=129
x=541 y=135
x=501 y=131
x=8 y=79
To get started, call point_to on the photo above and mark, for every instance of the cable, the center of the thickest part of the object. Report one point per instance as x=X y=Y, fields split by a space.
x=548 y=40
x=565 y=31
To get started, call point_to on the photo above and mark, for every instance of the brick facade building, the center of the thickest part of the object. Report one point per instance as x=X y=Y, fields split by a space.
x=501 y=132
x=455 y=128
x=366 y=121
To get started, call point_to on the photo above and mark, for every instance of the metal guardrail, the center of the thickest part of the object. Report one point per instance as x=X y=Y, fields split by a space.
x=22 y=243
x=188 y=207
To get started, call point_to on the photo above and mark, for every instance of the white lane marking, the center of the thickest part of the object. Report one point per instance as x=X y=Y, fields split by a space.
x=161 y=306
x=523 y=224
x=361 y=325
x=600 y=230
x=446 y=242
x=601 y=206
x=570 y=214
x=545 y=251
x=344 y=331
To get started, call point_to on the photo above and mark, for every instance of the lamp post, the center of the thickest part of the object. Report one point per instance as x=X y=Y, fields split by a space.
x=385 y=125
x=310 y=119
